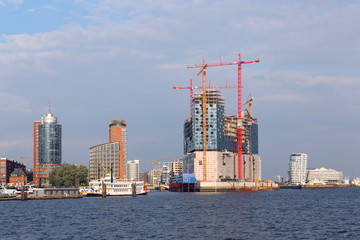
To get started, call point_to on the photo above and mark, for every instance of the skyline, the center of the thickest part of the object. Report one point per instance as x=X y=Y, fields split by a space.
x=106 y=60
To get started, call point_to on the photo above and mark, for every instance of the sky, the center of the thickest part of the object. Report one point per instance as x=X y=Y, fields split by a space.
x=109 y=59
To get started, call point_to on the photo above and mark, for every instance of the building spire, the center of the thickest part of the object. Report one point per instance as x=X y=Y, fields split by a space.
x=49 y=105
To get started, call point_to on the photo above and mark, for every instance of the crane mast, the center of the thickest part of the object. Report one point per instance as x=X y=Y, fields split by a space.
x=204 y=119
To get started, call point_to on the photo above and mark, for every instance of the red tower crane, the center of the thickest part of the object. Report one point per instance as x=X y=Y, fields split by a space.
x=239 y=86
x=200 y=87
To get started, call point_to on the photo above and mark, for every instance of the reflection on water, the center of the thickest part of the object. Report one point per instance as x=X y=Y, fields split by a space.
x=284 y=214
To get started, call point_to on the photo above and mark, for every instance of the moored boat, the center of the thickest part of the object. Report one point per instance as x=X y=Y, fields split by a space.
x=116 y=188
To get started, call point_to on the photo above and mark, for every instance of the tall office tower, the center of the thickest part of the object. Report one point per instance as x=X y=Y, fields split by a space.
x=118 y=133
x=110 y=156
x=297 y=168
x=132 y=170
x=47 y=148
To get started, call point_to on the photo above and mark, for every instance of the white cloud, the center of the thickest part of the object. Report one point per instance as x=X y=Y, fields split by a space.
x=11 y=103
x=10 y=143
x=279 y=97
x=16 y=2
x=50 y=7
x=2 y=4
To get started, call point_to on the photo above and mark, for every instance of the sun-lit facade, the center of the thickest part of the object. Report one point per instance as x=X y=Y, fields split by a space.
x=298 y=168
x=47 y=147
x=110 y=156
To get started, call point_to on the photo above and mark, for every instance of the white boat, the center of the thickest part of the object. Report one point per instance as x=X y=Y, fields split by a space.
x=84 y=190
x=116 y=188
x=6 y=192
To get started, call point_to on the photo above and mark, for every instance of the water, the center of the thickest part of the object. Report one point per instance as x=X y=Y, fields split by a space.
x=284 y=214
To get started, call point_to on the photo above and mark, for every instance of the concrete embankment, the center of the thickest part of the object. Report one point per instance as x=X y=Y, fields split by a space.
x=326 y=186
x=36 y=198
x=235 y=186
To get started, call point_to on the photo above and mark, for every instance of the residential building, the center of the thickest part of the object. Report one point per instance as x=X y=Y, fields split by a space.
x=47 y=147
x=145 y=176
x=7 y=167
x=297 y=168
x=324 y=175
x=110 y=157
x=103 y=159
x=177 y=168
x=18 y=177
x=132 y=170
x=155 y=176
x=165 y=173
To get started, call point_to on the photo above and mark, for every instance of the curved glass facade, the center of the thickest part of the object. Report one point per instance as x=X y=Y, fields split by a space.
x=50 y=142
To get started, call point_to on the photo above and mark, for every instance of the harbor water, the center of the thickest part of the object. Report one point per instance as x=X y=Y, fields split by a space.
x=283 y=214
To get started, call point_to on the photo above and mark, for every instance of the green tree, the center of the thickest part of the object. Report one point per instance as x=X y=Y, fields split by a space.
x=67 y=174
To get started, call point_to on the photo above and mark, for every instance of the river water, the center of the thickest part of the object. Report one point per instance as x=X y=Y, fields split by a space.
x=283 y=214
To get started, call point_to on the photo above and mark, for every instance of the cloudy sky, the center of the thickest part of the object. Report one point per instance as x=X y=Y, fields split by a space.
x=109 y=59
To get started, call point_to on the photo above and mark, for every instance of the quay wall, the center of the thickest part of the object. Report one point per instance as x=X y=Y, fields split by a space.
x=235 y=186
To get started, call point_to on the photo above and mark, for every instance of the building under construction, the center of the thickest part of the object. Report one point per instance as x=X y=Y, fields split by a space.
x=221 y=142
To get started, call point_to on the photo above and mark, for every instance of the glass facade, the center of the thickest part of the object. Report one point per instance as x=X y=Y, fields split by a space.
x=254 y=142
x=49 y=140
x=50 y=143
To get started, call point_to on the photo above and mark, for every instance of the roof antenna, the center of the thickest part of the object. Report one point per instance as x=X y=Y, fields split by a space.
x=49 y=105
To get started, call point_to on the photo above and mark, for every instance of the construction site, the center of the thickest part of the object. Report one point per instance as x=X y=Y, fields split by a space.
x=220 y=151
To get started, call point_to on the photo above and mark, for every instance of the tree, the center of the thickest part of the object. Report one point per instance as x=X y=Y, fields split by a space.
x=67 y=174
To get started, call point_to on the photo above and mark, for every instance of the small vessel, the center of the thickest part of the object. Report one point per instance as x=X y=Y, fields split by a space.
x=84 y=190
x=6 y=192
x=116 y=188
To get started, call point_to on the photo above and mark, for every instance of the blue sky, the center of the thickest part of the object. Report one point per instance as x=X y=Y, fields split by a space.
x=104 y=60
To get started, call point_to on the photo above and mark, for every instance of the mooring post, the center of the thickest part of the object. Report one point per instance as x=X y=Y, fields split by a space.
x=23 y=195
x=104 y=190
x=133 y=186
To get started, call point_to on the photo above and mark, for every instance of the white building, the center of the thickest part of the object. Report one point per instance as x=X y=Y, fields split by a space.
x=132 y=169
x=297 y=168
x=324 y=175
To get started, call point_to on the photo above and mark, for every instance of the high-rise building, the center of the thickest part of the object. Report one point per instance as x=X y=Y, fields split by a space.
x=132 y=170
x=110 y=157
x=118 y=133
x=221 y=129
x=47 y=147
x=193 y=129
x=297 y=168
x=221 y=146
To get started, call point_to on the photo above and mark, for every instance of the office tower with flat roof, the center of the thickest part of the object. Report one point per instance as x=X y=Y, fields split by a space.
x=110 y=157
x=132 y=170
x=47 y=147
x=298 y=168
x=118 y=133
